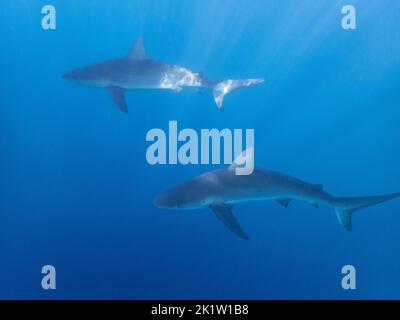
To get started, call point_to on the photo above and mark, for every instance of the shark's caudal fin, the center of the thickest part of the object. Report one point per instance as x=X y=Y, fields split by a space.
x=220 y=89
x=346 y=206
x=224 y=213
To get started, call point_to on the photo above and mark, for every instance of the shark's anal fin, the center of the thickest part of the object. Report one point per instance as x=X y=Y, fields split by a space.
x=138 y=50
x=118 y=96
x=284 y=202
x=224 y=213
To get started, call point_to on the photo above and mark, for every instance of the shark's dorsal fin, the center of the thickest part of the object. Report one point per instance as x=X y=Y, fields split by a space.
x=242 y=158
x=232 y=166
x=224 y=213
x=138 y=50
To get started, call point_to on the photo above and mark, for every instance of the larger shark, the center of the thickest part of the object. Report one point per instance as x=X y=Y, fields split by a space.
x=221 y=189
x=137 y=71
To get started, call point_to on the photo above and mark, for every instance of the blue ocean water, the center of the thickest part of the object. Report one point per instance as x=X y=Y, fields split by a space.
x=76 y=191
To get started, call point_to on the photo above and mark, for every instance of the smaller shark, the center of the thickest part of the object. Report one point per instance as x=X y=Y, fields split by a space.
x=138 y=71
x=219 y=190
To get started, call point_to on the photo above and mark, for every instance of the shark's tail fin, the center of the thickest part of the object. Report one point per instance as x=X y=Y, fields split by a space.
x=346 y=206
x=220 y=89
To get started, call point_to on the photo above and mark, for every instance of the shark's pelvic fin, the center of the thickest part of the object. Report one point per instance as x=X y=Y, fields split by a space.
x=118 y=96
x=284 y=202
x=346 y=206
x=138 y=50
x=314 y=205
x=220 y=89
x=224 y=213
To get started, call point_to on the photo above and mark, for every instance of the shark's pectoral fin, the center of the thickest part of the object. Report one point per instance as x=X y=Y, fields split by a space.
x=284 y=202
x=138 y=50
x=118 y=96
x=344 y=217
x=224 y=213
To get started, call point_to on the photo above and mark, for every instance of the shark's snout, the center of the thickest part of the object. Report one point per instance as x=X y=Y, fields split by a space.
x=164 y=201
x=81 y=74
x=75 y=75
x=86 y=76
x=71 y=76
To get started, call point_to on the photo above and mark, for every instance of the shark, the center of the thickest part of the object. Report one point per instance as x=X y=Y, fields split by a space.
x=221 y=189
x=137 y=71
